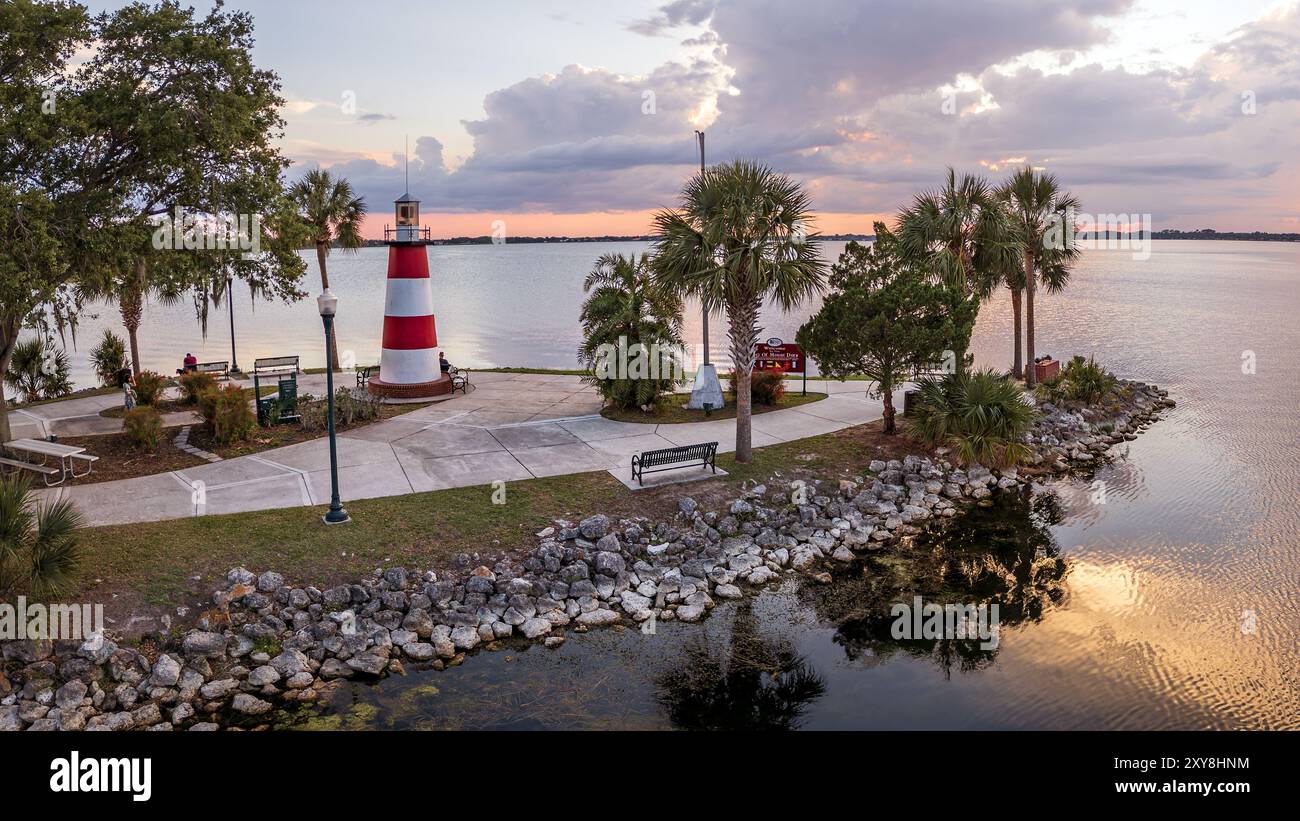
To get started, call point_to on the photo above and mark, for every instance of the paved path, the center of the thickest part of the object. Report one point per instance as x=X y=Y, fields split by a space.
x=510 y=427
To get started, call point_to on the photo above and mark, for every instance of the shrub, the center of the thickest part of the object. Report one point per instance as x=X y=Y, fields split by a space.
x=982 y=415
x=109 y=357
x=149 y=387
x=765 y=387
x=349 y=408
x=38 y=544
x=194 y=384
x=38 y=370
x=1081 y=380
x=227 y=414
x=143 y=427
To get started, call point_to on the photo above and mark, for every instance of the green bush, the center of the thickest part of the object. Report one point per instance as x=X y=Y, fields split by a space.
x=349 y=409
x=38 y=370
x=765 y=387
x=149 y=387
x=143 y=427
x=109 y=357
x=227 y=413
x=981 y=415
x=1081 y=380
x=194 y=384
x=39 y=554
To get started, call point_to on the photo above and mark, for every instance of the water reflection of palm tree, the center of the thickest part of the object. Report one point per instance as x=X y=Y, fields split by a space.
x=1004 y=554
x=760 y=684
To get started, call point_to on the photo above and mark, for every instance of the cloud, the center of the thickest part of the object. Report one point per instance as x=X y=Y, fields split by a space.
x=850 y=98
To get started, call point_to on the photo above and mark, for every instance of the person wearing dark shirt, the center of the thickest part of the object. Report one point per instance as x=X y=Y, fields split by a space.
x=443 y=364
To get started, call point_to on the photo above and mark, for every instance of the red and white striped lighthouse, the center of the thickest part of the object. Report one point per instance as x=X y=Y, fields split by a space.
x=408 y=362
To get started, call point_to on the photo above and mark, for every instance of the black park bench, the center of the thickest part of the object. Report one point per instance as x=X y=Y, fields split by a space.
x=221 y=370
x=655 y=461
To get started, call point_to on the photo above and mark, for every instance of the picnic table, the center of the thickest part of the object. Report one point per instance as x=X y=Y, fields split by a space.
x=67 y=455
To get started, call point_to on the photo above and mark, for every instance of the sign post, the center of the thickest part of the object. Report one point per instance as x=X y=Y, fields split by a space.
x=775 y=355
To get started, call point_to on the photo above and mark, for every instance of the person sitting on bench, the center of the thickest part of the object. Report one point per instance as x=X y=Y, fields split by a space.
x=191 y=363
x=443 y=364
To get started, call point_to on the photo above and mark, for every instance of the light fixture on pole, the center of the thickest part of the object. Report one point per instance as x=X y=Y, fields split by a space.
x=230 y=303
x=706 y=393
x=328 y=304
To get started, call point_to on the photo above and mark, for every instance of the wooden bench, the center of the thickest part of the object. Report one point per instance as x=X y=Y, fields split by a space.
x=268 y=365
x=45 y=470
x=704 y=454
x=221 y=369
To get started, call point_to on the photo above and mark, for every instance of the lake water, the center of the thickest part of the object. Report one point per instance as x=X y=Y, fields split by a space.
x=1179 y=606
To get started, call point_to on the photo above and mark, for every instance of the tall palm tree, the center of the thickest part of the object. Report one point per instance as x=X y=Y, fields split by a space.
x=739 y=238
x=1035 y=202
x=962 y=229
x=625 y=303
x=332 y=215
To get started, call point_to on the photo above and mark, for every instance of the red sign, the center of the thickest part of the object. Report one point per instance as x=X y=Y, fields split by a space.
x=774 y=355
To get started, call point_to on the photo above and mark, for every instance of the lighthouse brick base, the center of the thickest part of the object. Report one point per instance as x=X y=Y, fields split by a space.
x=418 y=390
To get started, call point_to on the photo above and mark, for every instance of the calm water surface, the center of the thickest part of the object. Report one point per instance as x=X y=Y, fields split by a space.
x=1140 y=625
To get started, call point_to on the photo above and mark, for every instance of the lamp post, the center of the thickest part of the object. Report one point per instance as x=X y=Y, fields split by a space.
x=230 y=303
x=706 y=393
x=329 y=305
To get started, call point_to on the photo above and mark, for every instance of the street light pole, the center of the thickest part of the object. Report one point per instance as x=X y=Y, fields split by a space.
x=328 y=305
x=230 y=303
x=705 y=305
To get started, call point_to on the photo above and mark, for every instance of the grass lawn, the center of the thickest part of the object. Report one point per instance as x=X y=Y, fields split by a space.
x=672 y=410
x=131 y=567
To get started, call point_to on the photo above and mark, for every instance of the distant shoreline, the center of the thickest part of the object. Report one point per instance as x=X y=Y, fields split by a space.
x=1169 y=234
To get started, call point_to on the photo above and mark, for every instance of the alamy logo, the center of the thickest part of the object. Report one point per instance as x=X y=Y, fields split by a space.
x=196 y=231
x=636 y=360
x=56 y=622
x=129 y=775
x=919 y=620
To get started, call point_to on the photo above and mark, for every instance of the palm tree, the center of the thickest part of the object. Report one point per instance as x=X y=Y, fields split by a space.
x=962 y=229
x=739 y=238
x=1036 y=202
x=626 y=306
x=38 y=544
x=332 y=215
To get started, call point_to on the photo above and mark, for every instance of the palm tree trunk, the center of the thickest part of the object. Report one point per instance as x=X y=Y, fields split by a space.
x=1018 y=368
x=8 y=339
x=332 y=347
x=743 y=326
x=130 y=304
x=1031 y=378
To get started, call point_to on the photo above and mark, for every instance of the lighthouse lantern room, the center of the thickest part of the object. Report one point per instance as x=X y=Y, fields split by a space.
x=408 y=362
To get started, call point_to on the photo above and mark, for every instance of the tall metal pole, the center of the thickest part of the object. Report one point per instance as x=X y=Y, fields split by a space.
x=336 y=514
x=700 y=135
x=230 y=303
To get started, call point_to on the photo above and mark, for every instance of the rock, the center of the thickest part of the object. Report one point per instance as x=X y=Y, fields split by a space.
x=687 y=505
x=535 y=627
x=842 y=554
x=333 y=668
x=166 y=671
x=554 y=641
x=371 y=663
x=219 y=689
x=728 y=591
x=593 y=527
x=598 y=617
x=609 y=563
x=290 y=662
x=203 y=644
x=761 y=575
x=418 y=651
x=71 y=694
x=635 y=604
x=465 y=637
x=300 y=681
x=9 y=720
x=690 y=612
x=204 y=726
x=249 y=705
x=264 y=675
x=269 y=582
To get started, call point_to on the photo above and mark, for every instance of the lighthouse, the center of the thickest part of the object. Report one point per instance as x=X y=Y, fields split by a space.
x=408 y=362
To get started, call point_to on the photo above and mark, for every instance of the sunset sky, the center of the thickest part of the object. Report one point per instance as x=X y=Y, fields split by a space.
x=580 y=121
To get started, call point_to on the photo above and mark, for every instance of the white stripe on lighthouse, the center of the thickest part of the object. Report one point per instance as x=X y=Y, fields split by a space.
x=408 y=297
x=408 y=367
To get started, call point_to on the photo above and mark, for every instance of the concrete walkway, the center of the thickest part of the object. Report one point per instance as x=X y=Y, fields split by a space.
x=510 y=427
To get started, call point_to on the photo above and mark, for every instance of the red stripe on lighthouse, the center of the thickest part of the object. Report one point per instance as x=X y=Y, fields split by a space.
x=407 y=333
x=407 y=262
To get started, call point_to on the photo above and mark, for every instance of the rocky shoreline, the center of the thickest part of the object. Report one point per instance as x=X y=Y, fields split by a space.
x=265 y=643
